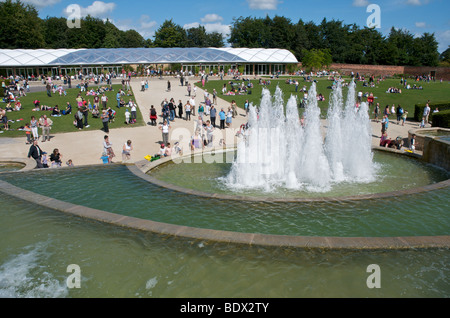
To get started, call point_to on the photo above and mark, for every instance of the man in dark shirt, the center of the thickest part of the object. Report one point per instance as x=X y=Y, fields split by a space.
x=35 y=152
x=213 y=114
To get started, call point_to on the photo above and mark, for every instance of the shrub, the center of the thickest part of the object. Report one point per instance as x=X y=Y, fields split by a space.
x=441 y=119
x=418 y=110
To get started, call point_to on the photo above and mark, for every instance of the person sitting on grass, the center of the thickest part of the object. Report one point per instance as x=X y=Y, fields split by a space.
x=17 y=106
x=56 y=112
x=68 y=109
x=95 y=112
x=8 y=107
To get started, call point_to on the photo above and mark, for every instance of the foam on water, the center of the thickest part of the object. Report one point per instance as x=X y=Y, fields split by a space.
x=25 y=275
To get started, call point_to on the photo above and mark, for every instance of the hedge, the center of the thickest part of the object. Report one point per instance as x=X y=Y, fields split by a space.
x=441 y=119
x=418 y=110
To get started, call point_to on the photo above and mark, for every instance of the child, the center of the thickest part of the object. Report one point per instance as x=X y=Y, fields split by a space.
x=404 y=115
x=69 y=163
x=422 y=123
x=412 y=145
x=44 y=160
x=27 y=129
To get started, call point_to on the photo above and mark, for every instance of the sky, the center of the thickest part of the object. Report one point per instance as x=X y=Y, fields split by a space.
x=416 y=16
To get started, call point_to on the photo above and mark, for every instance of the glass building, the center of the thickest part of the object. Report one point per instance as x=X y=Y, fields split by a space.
x=26 y=62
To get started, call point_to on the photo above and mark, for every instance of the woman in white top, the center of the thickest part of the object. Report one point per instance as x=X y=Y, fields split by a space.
x=229 y=117
x=126 y=151
x=34 y=127
x=165 y=132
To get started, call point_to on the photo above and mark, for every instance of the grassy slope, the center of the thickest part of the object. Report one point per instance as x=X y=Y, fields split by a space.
x=64 y=123
x=434 y=92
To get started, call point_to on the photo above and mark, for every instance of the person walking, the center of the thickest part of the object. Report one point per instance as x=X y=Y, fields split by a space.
x=188 y=111
x=153 y=115
x=189 y=89
x=212 y=115
x=180 y=109
x=104 y=101
x=209 y=133
x=36 y=152
x=426 y=113
x=133 y=112
x=222 y=117
x=105 y=120
x=107 y=149
x=126 y=151
x=34 y=127
x=165 y=127
x=46 y=124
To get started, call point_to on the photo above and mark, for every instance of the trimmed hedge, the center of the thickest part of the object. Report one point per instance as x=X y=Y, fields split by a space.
x=418 y=110
x=441 y=119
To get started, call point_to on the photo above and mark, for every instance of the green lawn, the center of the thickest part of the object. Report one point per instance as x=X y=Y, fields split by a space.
x=433 y=91
x=65 y=123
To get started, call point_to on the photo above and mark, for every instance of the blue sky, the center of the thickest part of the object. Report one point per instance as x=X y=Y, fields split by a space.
x=417 y=16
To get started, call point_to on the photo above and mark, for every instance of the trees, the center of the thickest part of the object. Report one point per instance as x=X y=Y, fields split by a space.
x=170 y=34
x=131 y=38
x=198 y=37
x=444 y=58
x=344 y=43
x=316 y=59
x=20 y=26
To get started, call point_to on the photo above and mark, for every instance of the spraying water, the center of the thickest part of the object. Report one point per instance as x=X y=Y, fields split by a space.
x=279 y=152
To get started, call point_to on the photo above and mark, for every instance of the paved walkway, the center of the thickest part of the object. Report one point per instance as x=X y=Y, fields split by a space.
x=85 y=147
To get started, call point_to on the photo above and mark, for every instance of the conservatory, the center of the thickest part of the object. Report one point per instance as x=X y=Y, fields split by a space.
x=27 y=62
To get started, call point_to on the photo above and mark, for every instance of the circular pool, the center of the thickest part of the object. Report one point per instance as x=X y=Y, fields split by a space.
x=207 y=174
x=115 y=189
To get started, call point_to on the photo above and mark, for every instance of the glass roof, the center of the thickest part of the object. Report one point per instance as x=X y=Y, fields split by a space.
x=142 y=56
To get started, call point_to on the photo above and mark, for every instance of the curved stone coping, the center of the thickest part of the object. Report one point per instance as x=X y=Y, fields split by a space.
x=30 y=164
x=306 y=242
x=142 y=170
x=419 y=132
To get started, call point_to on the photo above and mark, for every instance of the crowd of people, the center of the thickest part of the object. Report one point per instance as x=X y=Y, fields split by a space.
x=207 y=116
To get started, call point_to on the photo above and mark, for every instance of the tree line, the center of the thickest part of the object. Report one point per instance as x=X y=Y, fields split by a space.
x=21 y=27
x=347 y=43
x=330 y=40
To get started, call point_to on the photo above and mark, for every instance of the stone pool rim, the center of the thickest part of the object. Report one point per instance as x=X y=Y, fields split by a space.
x=28 y=164
x=141 y=170
x=229 y=237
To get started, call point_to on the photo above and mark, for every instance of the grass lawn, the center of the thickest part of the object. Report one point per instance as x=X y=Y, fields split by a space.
x=65 y=122
x=433 y=91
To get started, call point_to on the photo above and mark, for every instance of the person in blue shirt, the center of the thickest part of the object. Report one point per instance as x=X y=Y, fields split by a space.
x=118 y=96
x=222 y=116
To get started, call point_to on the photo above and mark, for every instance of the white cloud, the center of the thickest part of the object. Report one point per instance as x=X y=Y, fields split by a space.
x=263 y=4
x=416 y=2
x=145 y=22
x=443 y=38
x=144 y=26
x=224 y=29
x=41 y=3
x=360 y=3
x=97 y=9
x=191 y=25
x=420 y=24
x=218 y=27
x=209 y=18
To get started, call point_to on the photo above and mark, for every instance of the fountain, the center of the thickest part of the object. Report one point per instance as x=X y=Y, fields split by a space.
x=279 y=152
x=309 y=248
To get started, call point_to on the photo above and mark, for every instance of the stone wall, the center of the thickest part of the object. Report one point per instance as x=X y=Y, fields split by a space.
x=377 y=70
x=437 y=152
